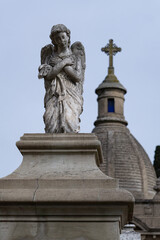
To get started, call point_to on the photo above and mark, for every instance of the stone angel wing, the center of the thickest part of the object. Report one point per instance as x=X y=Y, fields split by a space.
x=46 y=53
x=78 y=50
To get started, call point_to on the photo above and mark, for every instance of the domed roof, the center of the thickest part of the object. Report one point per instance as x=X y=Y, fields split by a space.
x=126 y=160
x=124 y=157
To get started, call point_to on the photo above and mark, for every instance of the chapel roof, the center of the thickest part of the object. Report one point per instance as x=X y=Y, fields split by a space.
x=124 y=157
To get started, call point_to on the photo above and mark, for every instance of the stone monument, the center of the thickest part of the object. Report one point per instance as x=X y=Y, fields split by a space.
x=62 y=68
x=58 y=192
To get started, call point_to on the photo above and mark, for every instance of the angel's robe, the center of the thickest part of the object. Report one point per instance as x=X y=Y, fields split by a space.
x=63 y=101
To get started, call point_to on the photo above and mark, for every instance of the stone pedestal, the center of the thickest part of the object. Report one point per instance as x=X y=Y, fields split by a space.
x=59 y=193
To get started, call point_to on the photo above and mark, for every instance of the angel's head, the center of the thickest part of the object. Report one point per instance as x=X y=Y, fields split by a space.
x=60 y=32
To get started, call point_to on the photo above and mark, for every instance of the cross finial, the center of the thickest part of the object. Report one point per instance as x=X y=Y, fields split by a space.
x=111 y=49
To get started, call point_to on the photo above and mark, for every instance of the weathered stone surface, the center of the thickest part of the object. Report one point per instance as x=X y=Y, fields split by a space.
x=147 y=215
x=59 y=192
x=126 y=160
x=59 y=230
x=54 y=165
x=62 y=68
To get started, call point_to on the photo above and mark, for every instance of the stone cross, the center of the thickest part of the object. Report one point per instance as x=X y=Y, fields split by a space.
x=111 y=49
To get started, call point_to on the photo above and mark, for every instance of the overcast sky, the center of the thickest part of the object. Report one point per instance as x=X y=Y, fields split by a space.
x=25 y=26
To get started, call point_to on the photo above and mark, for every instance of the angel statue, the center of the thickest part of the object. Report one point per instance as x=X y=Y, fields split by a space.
x=62 y=68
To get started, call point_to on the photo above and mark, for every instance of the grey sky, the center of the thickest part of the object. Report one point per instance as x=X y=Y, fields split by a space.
x=25 y=26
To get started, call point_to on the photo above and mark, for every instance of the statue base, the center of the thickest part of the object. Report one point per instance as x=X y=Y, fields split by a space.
x=58 y=192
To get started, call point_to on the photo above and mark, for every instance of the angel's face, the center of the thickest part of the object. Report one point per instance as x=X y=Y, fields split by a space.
x=62 y=40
